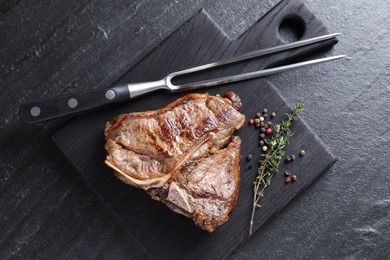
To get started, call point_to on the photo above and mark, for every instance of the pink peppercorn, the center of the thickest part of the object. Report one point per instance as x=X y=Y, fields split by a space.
x=287 y=180
x=251 y=121
x=268 y=131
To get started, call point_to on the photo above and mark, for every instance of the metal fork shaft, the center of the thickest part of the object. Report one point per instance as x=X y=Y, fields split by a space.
x=247 y=56
x=255 y=74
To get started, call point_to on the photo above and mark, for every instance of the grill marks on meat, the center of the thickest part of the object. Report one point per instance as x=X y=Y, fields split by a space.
x=206 y=190
x=182 y=154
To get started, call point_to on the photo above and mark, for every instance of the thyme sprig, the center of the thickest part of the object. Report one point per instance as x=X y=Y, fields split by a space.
x=269 y=163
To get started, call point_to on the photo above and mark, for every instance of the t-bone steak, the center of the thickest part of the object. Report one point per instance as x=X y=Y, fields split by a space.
x=184 y=155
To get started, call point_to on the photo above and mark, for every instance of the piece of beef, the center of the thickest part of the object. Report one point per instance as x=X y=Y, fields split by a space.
x=182 y=154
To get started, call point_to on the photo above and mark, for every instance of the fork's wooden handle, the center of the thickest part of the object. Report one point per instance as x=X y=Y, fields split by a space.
x=72 y=104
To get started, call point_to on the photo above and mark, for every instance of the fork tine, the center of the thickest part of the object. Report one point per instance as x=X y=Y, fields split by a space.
x=254 y=74
x=251 y=55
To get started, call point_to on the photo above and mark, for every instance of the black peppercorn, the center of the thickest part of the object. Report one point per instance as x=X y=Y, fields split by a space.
x=265 y=111
x=258 y=115
x=265 y=115
x=273 y=114
x=292 y=157
x=262 y=136
x=249 y=157
x=262 y=130
x=261 y=143
x=288 y=159
x=262 y=124
x=266 y=126
x=269 y=123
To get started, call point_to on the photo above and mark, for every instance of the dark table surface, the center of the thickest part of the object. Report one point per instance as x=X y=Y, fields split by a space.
x=52 y=47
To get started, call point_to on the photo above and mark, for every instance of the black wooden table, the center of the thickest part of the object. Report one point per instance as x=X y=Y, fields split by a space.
x=52 y=47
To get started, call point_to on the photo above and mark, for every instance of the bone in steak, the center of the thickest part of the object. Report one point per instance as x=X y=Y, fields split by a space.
x=183 y=155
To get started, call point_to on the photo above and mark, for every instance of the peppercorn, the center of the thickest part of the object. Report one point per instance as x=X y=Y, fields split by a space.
x=261 y=143
x=262 y=130
x=269 y=123
x=257 y=125
x=292 y=157
x=287 y=173
x=262 y=136
x=294 y=178
x=257 y=121
x=287 y=180
x=273 y=114
x=265 y=115
x=268 y=131
x=265 y=148
x=261 y=119
x=262 y=124
x=251 y=121
x=265 y=111
x=266 y=126
x=302 y=153
x=288 y=159
x=258 y=115
x=249 y=157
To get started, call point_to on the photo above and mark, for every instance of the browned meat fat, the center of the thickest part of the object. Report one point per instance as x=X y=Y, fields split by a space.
x=183 y=154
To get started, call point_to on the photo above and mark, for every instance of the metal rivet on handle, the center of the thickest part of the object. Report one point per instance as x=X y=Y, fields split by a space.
x=110 y=94
x=35 y=111
x=72 y=102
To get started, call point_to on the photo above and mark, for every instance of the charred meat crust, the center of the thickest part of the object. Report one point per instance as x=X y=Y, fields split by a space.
x=182 y=154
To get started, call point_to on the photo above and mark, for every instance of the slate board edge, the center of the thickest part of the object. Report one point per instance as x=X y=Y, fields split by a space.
x=203 y=12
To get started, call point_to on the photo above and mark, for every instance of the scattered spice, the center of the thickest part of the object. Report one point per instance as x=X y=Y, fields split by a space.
x=287 y=173
x=261 y=119
x=265 y=115
x=263 y=129
x=272 y=157
x=268 y=131
x=265 y=148
x=302 y=153
x=251 y=121
x=288 y=159
x=287 y=180
x=258 y=115
x=273 y=114
x=292 y=157
x=249 y=157
x=294 y=178
x=269 y=123
x=262 y=124
x=265 y=111
x=257 y=121
x=261 y=143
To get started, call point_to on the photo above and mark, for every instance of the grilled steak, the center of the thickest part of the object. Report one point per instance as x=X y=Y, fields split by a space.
x=183 y=155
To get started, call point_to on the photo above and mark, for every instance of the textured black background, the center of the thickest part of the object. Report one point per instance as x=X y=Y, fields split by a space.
x=52 y=47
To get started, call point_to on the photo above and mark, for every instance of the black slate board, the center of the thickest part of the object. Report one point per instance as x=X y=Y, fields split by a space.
x=162 y=233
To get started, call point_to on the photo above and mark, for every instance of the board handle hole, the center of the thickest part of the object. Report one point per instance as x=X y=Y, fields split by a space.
x=292 y=29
